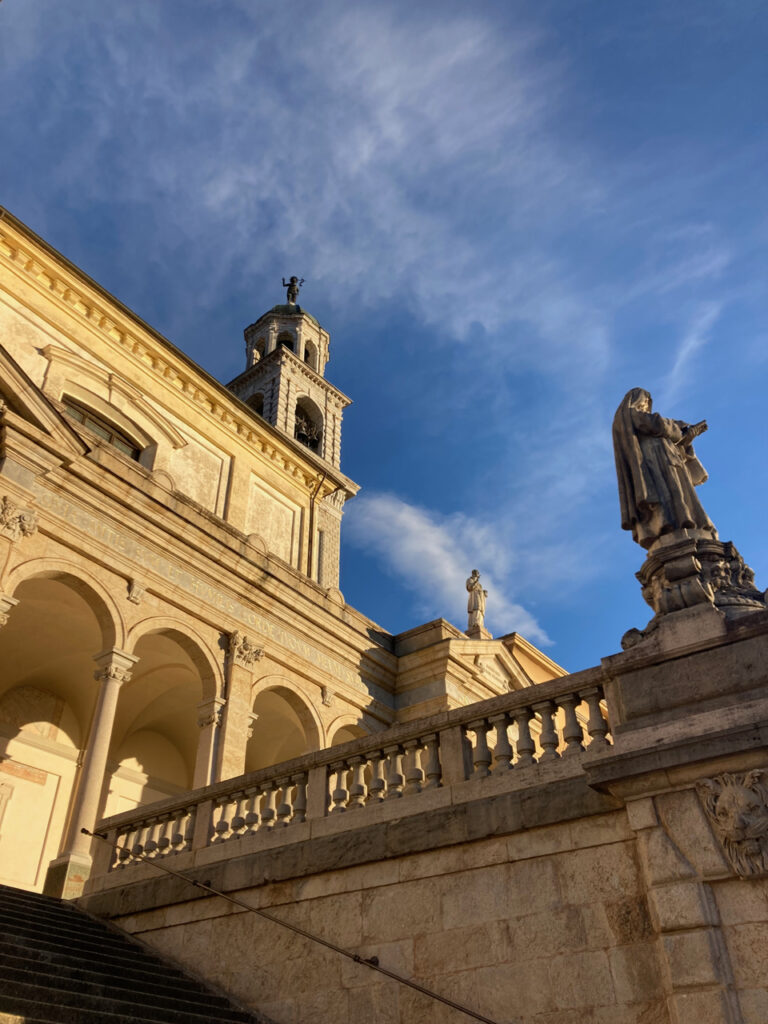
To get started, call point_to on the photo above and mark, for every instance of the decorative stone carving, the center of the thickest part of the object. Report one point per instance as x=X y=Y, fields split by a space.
x=243 y=651
x=252 y=720
x=15 y=521
x=736 y=804
x=135 y=592
x=7 y=604
x=112 y=673
x=687 y=564
x=211 y=716
x=326 y=697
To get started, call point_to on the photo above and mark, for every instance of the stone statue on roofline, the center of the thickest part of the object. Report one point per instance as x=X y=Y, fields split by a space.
x=292 y=287
x=687 y=565
x=476 y=607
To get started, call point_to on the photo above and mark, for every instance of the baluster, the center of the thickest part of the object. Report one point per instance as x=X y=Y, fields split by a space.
x=377 y=786
x=284 y=808
x=525 y=744
x=502 y=753
x=548 y=738
x=414 y=776
x=177 y=831
x=357 y=786
x=395 y=778
x=189 y=827
x=597 y=727
x=163 y=840
x=481 y=755
x=268 y=811
x=572 y=731
x=126 y=845
x=433 y=768
x=340 y=794
x=238 y=820
x=221 y=828
x=252 y=816
x=138 y=845
x=300 y=797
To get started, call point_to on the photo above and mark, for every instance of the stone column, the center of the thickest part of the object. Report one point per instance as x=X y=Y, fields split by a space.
x=237 y=719
x=209 y=714
x=68 y=873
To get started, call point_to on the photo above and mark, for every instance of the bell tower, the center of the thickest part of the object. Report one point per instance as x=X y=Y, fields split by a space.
x=284 y=378
x=284 y=382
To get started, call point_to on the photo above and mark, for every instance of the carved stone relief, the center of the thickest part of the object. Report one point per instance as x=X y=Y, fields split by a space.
x=243 y=651
x=135 y=592
x=736 y=804
x=15 y=521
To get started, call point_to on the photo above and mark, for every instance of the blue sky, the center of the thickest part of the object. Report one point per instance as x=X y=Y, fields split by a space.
x=507 y=215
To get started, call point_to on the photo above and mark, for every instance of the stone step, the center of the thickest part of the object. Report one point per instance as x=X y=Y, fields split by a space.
x=58 y=965
x=64 y=999
x=32 y=1011
x=171 y=996
x=161 y=975
x=101 y=937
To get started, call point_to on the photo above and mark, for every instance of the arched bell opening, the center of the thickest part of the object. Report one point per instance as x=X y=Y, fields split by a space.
x=310 y=354
x=309 y=425
x=256 y=402
x=286 y=340
x=283 y=727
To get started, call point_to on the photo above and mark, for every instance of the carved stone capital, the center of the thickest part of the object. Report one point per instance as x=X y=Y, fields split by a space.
x=736 y=804
x=135 y=592
x=114 y=666
x=7 y=604
x=210 y=712
x=243 y=651
x=252 y=720
x=326 y=696
x=16 y=521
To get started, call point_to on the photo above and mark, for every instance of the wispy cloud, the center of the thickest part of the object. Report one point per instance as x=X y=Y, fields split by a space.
x=695 y=337
x=433 y=555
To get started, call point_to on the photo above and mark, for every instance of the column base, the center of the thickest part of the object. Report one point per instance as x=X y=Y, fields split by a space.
x=67 y=875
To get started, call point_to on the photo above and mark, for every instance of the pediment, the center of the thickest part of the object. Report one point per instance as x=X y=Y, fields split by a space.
x=22 y=396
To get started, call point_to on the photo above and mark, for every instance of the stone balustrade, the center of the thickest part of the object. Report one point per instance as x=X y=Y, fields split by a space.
x=524 y=735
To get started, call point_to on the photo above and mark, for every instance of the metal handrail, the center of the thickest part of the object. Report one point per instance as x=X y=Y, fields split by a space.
x=371 y=962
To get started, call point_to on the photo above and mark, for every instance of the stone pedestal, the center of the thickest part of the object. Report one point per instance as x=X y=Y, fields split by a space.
x=687 y=570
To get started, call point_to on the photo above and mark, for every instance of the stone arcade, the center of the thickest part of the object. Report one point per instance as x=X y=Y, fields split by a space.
x=541 y=848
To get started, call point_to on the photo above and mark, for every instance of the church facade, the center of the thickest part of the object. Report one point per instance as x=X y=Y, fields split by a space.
x=170 y=611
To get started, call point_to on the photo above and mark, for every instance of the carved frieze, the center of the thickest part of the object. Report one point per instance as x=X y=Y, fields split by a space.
x=15 y=521
x=736 y=804
x=243 y=651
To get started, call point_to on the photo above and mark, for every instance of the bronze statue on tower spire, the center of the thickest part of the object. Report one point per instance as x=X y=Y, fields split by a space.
x=293 y=286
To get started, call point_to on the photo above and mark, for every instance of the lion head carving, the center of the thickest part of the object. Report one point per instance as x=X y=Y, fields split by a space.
x=737 y=807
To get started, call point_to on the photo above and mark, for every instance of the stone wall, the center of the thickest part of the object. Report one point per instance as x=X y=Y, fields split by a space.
x=593 y=878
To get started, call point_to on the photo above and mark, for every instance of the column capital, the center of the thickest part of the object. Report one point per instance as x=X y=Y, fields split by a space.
x=16 y=521
x=114 y=665
x=7 y=604
x=209 y=712
x=243 y=651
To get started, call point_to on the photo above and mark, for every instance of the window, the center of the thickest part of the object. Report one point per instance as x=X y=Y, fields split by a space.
x=256 y=402
x=285 y=339
x=309 y=424
x=102 y=428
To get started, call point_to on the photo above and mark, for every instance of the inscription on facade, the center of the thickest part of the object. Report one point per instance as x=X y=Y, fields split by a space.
x=140 y=555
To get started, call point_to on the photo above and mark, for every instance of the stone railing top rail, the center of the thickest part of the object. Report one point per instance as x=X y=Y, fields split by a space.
x=516 y=700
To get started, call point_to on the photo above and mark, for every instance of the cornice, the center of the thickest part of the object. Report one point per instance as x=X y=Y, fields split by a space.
x=281 y=355
x=121 y=328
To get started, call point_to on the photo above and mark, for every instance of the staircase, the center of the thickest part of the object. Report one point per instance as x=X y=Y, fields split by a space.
x=60 y=966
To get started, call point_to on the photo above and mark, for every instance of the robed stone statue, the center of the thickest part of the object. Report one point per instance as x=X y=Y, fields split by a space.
x=476 y=600
x=657 y=471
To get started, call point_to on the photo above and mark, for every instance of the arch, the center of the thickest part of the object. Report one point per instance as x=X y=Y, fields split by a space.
x=286 y=339
x=344 y=729
x=310 y=354
x=190 y=641
x=84 y=583
x=308 y=429
x=286 y=726
x=256 y=402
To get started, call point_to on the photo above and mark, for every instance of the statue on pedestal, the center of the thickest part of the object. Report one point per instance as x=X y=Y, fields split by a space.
x=476 y=601
x=293 y=289
x=658 y=472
